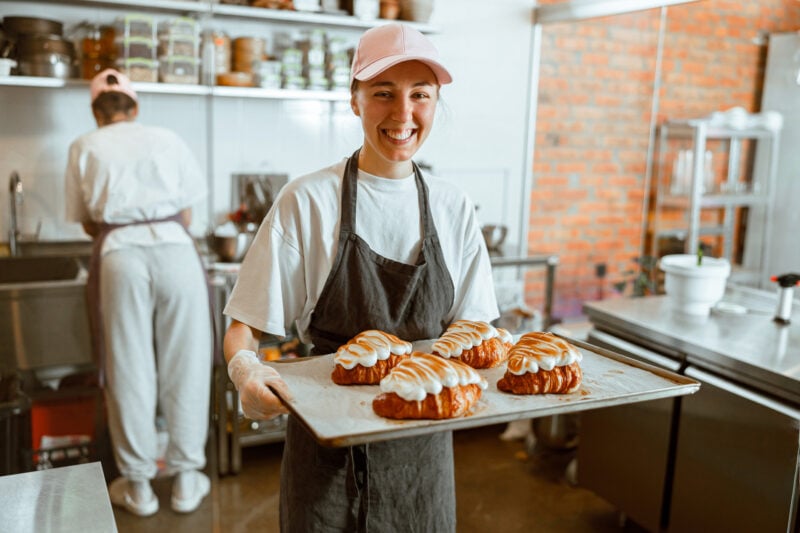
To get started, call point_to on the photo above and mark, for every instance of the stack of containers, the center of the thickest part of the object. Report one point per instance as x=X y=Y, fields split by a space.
x=313 y=48
x=337 y=64
x=269 y=74
x=248 y=54
x=292 y=68
x=136 y=42
x=179 y=51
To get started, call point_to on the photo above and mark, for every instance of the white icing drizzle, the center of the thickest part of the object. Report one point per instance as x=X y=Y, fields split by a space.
x=369 y=347
x=465 y=334
x=422 y=374
x=505 y=336
x=538 y=350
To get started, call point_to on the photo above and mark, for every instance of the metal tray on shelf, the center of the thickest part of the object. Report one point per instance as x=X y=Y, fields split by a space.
x=343 y=416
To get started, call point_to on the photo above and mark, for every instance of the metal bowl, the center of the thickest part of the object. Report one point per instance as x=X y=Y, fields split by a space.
x=230 y=249
x=494 y=235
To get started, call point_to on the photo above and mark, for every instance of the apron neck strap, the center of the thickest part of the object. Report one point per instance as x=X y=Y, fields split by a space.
x=350 y=190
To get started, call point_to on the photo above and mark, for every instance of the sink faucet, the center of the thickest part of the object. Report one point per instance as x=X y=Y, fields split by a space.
x=15 y=198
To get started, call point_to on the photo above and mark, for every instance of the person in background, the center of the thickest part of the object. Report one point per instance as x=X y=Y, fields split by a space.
x=368 y=243
x=132 y=186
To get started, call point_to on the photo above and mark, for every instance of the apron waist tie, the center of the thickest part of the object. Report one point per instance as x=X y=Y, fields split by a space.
x=359 y=461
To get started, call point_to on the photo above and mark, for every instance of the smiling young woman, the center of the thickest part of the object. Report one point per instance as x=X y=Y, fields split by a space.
x=369 y=243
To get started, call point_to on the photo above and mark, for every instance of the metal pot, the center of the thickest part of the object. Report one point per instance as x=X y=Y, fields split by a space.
x=48 y=66
x=14 y=26
x=230 y=248
x=494 y=235
x=28 y=45
x=6 y=44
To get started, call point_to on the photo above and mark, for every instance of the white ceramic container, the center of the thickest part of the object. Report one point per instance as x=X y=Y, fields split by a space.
x=694 y=289
x=6 y=65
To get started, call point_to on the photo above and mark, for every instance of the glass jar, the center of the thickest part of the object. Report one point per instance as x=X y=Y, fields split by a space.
x=97 y=50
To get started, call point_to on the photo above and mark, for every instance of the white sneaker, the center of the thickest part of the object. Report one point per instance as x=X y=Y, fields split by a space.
x=188 y=490
x=136 y=497
x=516 y=430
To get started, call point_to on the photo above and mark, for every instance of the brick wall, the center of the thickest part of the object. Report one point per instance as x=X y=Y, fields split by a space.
x=592 y=131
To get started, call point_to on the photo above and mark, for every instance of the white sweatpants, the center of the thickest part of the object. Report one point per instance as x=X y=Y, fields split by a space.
x=158 y=353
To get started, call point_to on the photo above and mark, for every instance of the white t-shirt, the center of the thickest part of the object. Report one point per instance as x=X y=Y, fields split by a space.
x=288 y=263
x=125 y=172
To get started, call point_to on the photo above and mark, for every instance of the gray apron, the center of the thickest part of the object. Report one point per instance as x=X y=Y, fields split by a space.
x=398 y=485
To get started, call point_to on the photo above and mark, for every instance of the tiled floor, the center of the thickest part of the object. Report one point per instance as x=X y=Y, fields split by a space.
x=500 y=487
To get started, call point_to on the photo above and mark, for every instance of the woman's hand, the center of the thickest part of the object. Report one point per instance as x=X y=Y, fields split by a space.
x=251 y=377
x=254 y=381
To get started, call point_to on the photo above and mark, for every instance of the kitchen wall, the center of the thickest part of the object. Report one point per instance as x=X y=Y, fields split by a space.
x=592 y=130
x=594 y=108
x=478 y=141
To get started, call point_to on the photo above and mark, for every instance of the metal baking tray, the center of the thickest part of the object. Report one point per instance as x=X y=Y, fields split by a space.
x=342 y=415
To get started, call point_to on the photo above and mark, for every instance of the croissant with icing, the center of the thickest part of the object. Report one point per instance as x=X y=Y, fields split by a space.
x=541 y=363
x=368 y=357
x=478 y=344
x=428 y=386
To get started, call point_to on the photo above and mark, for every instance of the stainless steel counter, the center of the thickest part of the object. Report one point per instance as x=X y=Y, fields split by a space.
x=60 y=500
x=723 y=459
x=749 y=348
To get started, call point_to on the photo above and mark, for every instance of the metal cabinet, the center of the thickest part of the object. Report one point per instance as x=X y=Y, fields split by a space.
x=722 y=459
x=736 y=460
x=625 y=452
x=708 y=182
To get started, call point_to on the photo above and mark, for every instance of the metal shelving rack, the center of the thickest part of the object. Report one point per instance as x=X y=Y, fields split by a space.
x=742 y=187
x=207 y=10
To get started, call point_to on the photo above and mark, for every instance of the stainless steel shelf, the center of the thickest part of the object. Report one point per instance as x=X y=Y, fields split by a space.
x=686 y=129
x=280 y=94
x=142 y=87
x=205 y=7
x=716 y=200
x=184 y=6
x=306 y=17
x=185 y=89
x=31 y=81
x=681 y=233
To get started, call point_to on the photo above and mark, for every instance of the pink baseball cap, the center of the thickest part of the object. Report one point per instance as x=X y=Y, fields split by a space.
x=385 y=46
x=100 y=84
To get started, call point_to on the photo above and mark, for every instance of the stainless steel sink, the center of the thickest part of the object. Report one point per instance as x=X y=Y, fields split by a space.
x=15 y=270
x=38 y=248
x=43 y=319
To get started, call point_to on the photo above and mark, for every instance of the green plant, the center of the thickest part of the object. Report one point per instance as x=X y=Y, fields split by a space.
x=641 y=280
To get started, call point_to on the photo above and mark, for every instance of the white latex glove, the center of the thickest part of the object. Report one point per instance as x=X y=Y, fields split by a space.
x=251 y=377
